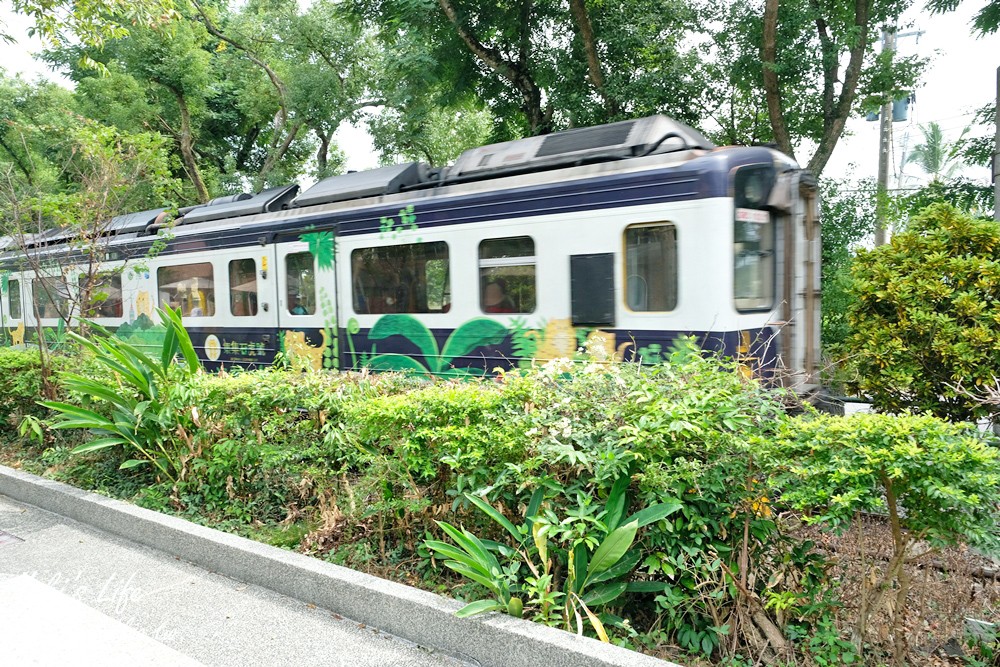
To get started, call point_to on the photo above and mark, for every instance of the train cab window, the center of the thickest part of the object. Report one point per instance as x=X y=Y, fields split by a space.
x=51 y=297
x=243 y=287
x=410 y=278
x=105 y=295
x=300 y=278
x=507 y=275
x=753 y=260
x=190 y=287
x=14 y=298
x=651 y=267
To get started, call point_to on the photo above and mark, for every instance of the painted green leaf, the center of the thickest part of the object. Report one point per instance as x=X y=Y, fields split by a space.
x=472 y=334
x=409 y=328
x=399 y=363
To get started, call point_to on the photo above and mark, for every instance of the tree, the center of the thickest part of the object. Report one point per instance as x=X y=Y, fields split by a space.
x=986 y=22
x=936 y=157
x=543 y=65
x=938 y=483
x=107 y=174
x=807 y=67
x=92 y=23
x=848 y=214
x=924 y=318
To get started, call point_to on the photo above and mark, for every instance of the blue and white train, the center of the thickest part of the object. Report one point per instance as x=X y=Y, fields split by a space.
x=617 y=238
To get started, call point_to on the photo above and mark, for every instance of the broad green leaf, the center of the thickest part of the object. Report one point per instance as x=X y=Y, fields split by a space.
x=654 y=513
x=646 y=586
x=491 y=512
x=615 y=506
x=612 y=549
x=133 y=463
x=600 y=595
x=620 y=569
x=478 y=607
x=94 y=445
x=455 y=553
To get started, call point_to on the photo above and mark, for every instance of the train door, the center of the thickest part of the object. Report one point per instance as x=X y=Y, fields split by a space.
x=250 y=311
x=307 y=301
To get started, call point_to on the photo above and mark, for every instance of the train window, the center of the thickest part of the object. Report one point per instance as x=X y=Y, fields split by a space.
x=753 y=257
x=51 y=297
x=243 y=287
x=105 y=295
x=301 y=281
x=190 y=287
x=651 y=267
x=411 y=278
x=507 y=275
x=14 y=298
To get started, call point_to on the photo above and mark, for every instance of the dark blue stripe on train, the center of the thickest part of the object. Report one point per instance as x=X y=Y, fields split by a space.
x=701 y=178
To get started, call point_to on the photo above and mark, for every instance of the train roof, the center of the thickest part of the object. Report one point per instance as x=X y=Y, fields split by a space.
x=643 y=144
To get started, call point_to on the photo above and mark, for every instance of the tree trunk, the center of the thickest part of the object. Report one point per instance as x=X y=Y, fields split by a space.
x=585 y=30
x=772 y=87
x=185 y=141
x=835 y=115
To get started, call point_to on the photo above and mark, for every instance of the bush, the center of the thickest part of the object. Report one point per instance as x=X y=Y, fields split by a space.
x=939 y=484
x=925 y=317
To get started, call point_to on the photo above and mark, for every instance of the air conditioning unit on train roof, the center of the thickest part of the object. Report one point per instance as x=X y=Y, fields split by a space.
x=370 y=183
x=236 y=206
x=603 y=143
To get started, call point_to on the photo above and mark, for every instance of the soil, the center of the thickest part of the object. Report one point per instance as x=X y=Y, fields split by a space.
x=947 y=586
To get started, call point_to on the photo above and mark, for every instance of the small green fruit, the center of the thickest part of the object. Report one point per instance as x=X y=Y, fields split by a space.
x=515 y=607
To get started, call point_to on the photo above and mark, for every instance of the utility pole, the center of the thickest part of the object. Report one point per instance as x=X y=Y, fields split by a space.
x=884 y=148
x=996 y=158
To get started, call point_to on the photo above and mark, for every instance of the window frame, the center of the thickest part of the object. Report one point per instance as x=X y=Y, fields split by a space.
x=676 y=268
x=362 y=287
x=253 y=298
x=208 y=298
x=507 y=262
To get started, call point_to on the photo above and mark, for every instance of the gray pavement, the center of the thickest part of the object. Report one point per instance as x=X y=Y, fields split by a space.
x=89 y=580
x=73 y=595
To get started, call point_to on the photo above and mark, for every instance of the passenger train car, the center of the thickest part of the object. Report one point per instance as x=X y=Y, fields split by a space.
x=618 y=238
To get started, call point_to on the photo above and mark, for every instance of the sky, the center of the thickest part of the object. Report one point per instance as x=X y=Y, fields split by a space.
x=962 y=76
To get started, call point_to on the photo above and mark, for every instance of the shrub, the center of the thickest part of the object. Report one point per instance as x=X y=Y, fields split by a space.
x=938 y=482
x=925 y=316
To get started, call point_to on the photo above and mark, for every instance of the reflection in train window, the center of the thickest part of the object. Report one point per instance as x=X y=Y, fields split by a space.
x=14 y=298
x=51 y=297
x=411 y=278
x=190 y=287
x=243 y=287
x=651 y=267
x=105 y=295
x=507 y=275
x=300 y=277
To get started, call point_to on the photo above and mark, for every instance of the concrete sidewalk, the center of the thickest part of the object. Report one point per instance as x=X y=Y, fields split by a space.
x=72 y=595
x=89 y=580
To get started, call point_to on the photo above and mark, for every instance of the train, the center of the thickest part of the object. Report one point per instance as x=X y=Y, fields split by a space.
x=611 y=241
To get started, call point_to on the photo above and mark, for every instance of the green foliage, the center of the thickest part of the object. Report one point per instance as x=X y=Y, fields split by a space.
x=925 y=322
x=596 y=562
x=848 y=214
x=141 y=418
x=943 y=478
x=20 y=385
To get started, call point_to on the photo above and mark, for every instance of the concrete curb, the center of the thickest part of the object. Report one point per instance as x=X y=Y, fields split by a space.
x=417 y=616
